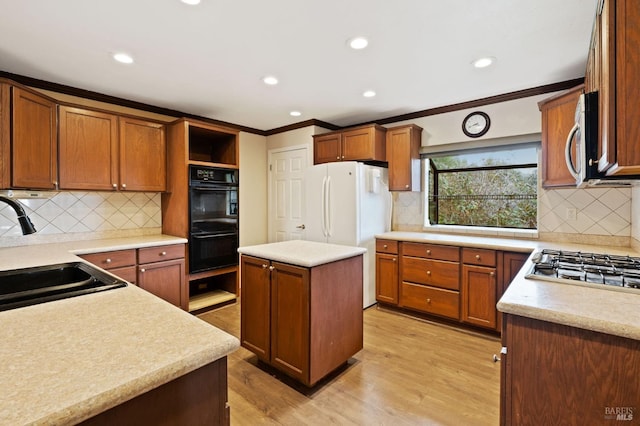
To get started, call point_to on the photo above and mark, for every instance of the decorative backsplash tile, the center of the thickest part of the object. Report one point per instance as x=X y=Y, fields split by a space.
x=599 y=211
x=71 y=212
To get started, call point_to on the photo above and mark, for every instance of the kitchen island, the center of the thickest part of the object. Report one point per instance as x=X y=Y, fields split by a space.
x=108 y=356
x=301 y=309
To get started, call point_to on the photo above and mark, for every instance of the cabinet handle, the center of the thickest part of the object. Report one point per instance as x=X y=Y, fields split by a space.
x=143 y=270
x=55 y=184
x=343 y=157
x=429 y=252
x=385 y=246
x=115 y=186
x=394 y=259
x=496 y=358
x=271 y=268
x=428 y=272
x=406 y=186
x=477 y=257
x=164 y=253
x=429 y=301
x=492 y=274
x=338 y=157
x=108 y=261
x=264 y=266
x=124 y=186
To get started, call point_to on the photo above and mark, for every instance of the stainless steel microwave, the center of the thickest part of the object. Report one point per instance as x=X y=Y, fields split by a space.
x=584 y=134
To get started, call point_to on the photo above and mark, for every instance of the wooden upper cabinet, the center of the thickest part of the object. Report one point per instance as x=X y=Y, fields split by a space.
x=327 y=148
x=34 y=143
x=403 y=155
x=102 y=151
x=619 y=87
x=365 y=143
x=143 y=155
x=558 y=117
x=88 y=149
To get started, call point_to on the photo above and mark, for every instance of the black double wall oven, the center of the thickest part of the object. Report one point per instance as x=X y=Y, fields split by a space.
x=213 y=217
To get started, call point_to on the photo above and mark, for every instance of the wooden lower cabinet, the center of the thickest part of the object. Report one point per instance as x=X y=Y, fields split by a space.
x=197 y=398
x=478 y=294
x=458 y=283
x=159 y=270
x=303 y=321
x=387 y=271
x=554 y=374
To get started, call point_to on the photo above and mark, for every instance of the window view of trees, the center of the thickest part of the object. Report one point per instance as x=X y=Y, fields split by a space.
x=491 y=190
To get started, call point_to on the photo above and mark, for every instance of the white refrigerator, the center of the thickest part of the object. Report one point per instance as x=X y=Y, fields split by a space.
x=349 y=203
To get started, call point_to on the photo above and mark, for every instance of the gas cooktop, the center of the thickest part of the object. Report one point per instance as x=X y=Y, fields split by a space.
x=589 y=269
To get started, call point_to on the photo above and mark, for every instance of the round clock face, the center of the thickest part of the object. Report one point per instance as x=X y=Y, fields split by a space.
x=476 y=124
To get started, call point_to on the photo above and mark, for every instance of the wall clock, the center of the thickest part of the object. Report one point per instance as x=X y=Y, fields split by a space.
x=476 y=124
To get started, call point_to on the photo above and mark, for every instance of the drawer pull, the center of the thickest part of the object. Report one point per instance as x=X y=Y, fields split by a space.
x=164 y=253
x=428 y=251
x=428 y=272
x=143 y=270
x=477 y=257
x=108 y=261
x=385 y=246
x=429 y=301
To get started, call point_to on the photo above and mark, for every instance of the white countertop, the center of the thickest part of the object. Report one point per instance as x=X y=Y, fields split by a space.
x=592 y=308
x=67 y=360
x=302 y=253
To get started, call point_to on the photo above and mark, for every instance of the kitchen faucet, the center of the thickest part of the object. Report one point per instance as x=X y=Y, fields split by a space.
x=25 y=222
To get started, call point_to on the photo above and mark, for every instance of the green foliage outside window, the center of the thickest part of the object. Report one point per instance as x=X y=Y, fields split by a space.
x=481 y=190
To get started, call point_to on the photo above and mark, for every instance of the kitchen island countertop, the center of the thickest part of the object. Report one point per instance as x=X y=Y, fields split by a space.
x=591 y=308
x=68 y=360
x=302 y=253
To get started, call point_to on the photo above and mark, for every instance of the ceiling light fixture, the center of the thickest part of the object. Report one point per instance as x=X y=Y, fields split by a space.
x=295 y=113
x=191 y=2
x=483 y=62
x=369 y=94
x=270 y=80
x=358 y=43
x=123 y=58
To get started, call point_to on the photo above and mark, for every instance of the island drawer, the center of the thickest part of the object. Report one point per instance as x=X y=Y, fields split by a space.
x=432 y=300
x=160 y=253
x=431 y=272
x=387 y=246
x=482 y=257
x=112 y=259
x=431 y=251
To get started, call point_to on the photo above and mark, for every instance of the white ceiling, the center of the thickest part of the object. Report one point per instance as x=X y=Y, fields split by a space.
x=209 y=59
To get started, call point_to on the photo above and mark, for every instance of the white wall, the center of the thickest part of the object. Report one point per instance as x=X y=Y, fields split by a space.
x=303 y=136
x=253 y=189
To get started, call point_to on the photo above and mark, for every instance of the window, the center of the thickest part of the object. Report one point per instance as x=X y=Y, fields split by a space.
x=495 y=187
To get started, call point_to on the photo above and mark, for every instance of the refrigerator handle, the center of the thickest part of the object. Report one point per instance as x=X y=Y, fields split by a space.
x=327 y=206
x=324 y=201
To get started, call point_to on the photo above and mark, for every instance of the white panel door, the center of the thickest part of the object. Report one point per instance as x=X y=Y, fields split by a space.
x=286 y=194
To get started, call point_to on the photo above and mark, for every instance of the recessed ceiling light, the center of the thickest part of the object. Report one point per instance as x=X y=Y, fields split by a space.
x=369 y=94
x=270 y=80
x=483 y=62
x=191 y=2
x=295 y=113
x=358 y=43
x=123 y=58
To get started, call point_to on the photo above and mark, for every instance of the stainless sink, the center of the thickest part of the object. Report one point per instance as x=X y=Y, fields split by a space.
x=30 y=286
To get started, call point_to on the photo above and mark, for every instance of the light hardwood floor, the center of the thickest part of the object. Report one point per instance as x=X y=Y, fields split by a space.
x=410 y=372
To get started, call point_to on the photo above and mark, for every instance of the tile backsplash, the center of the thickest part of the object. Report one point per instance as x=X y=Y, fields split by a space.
x=75 y=212
x=598 y=212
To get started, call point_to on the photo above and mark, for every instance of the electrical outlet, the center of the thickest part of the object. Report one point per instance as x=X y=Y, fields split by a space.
x=572 y=213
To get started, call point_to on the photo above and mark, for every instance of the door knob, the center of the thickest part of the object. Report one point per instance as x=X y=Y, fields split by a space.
x=301 y=226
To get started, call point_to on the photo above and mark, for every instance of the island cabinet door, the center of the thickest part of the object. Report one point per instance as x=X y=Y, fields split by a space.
x=290 y=320
x=255 y=296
